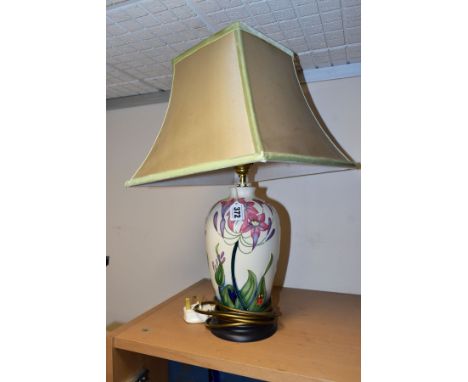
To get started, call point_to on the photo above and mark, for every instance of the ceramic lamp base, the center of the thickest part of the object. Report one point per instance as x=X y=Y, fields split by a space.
x=245 y=333
x=242 y=245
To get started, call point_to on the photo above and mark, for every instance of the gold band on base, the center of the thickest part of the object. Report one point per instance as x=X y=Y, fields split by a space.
x=231 y=317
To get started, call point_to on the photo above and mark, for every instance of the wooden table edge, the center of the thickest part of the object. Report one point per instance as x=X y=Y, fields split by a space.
x=110 y=336
x=180 y=356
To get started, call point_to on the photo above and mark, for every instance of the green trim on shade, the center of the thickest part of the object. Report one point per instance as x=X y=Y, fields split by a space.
x=159 y=132
x=237 y=26
x=318 y=119
x=261 y=36
x=304 y=159
x=247 y=93
x=205 y=42
x=195 y=169
x=246 y=159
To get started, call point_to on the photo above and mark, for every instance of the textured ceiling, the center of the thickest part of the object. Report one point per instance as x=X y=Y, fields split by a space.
x=144 y=35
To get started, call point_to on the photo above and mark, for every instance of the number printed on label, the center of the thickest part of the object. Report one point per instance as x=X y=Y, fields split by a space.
x=237 y=211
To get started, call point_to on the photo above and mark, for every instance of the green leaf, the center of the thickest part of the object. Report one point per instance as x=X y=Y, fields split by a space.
x=259 y=297
x=219 y=275
x=225 y=299
x=238 y=305
x=262 y=289
x=248 y=290
x=269 y=265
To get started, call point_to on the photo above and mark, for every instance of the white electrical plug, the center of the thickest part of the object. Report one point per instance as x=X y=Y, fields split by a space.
x=192 y=317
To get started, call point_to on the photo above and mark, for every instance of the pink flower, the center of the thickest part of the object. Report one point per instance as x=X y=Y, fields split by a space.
x=225 y=204
x=255 y=224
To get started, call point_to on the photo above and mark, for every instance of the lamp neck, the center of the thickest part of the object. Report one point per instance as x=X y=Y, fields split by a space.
x=242 y=171
x=242 y=192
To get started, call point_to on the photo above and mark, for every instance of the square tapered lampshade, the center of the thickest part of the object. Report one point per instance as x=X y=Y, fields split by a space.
x=236 y=99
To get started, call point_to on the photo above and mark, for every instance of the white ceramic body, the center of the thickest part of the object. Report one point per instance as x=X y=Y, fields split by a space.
x=253 y=243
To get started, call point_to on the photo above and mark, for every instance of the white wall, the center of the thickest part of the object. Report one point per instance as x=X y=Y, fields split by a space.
x=155 y=236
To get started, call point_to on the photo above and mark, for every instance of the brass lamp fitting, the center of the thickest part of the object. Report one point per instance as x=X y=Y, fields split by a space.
x=242 y=171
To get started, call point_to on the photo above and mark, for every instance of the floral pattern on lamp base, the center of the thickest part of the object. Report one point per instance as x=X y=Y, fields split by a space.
x=242 y=243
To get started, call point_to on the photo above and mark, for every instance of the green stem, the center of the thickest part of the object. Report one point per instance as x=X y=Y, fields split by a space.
x=234 y=282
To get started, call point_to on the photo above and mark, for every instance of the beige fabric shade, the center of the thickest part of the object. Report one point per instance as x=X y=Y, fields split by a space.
x=236 y=99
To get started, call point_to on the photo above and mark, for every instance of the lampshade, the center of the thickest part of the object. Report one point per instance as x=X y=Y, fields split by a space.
x=236 y=99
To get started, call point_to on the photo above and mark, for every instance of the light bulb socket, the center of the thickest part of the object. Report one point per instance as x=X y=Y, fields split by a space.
x=242 y=172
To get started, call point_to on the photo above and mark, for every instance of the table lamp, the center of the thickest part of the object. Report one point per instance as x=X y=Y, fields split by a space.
x=236 y=104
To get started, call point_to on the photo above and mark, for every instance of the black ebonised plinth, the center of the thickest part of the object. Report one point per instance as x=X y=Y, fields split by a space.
x=244 y=333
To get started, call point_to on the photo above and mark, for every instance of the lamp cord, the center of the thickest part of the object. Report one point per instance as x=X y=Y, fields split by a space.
x=231 y=317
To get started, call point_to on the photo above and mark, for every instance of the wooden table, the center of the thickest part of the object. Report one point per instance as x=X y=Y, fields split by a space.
x=318 y=339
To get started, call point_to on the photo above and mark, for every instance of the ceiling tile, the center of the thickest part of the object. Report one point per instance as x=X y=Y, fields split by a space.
x=316 y=41
x=207 y=6
x=290 y=24
x=119 y=15
x=183 y=13
x=328 y=5
x=353 y=35
x=352 y=17
x=115 y=30
x=174 y=3
x=310 y=20
x=143 y=36
x=335 y=38
x=310 y=30
x=270 y=28
x=259 y=8
x=354 y=53
x=161 y=82
x=285 y=14
x=338 y=55
x=350 y=3
x=307 y=60
x=229 y=3
x=154 y=6
x=297 y=44
x=131 y=25
x=302 y=2
x=276 y=5
x=321 y=58
x=329 y=17
x=310 y=8
x=136 y=11
x=266 y=18
x=238 y=13
x=292 y=33
x=148 y=21
x=333 y=26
